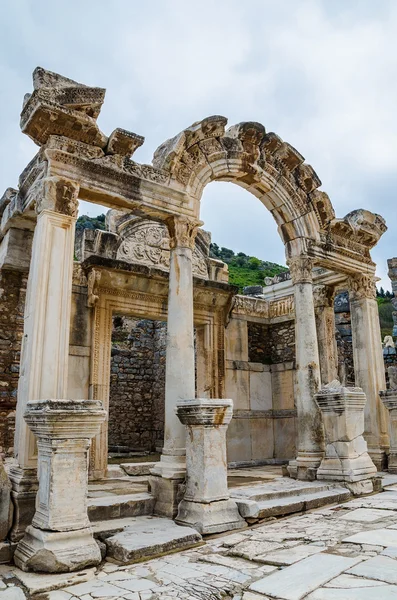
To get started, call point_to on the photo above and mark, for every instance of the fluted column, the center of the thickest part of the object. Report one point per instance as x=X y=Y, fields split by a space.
x=310 y=429
x=45 y=344
x=179 y=372
x=325 y=322
x=368 y=363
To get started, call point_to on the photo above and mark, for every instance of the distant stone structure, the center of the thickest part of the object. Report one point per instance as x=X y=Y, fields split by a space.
x=241 y=372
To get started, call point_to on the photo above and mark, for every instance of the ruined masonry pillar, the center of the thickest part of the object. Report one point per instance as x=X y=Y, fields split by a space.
x=307 y=374
x=325 y=322
x=45 y=344
x=60 y=538
x=206 y=505
x=179 y=372
x=368 y=364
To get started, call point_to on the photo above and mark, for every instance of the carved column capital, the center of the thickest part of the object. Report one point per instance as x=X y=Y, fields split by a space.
x=301 y=269
x=183 y=231
x=361 y=286
x=58 y=195
x=323 y=296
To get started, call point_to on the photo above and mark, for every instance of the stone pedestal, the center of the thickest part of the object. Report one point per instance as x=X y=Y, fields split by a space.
x=60 y=539
x=346 y=457
x=310 y=430
x=389 y=399
x=368 y=364
x=169 y=474
x=206 y=505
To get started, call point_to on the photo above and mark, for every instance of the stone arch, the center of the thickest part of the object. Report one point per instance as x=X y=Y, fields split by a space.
x=261 y=162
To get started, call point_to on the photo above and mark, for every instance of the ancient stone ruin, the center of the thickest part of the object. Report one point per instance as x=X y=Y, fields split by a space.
x=206 y=377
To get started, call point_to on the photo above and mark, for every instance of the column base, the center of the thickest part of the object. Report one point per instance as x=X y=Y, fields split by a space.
x=24 y=489
x=378 y=457
x=214 y=517
x=56 y=552
x=167 y=494
x=392 y=466
x=305 y=466
x=348 y=470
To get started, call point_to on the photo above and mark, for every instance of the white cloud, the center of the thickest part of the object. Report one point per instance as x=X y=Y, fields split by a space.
x=319 y=73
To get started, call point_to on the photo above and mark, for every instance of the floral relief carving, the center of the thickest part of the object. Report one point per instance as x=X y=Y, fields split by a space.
x=149 y=243
x=58 y=195
x=301 y=269
x=361 y=286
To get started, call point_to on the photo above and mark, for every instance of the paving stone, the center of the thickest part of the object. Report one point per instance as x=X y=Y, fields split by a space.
x=368 y=515
x=374 y=537
x=351 y=581
x=288 y=556
x=12 y=593
x=137 y=585
x=389 y=592
x=390 y=551
x=381 y=568
x=36 y=583
x=148 y=537
x=295 y=582
x=240 y=564
x=58 y=595
x=251 y=549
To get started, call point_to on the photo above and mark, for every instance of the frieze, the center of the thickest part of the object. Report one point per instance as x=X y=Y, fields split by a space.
x=246 y=305
x=282 y=307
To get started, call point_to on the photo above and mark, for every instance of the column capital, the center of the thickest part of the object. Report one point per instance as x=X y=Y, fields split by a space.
x=361 y=286
x=58 y=195
x=301 y=269
x=183 y=231
x=323 y=296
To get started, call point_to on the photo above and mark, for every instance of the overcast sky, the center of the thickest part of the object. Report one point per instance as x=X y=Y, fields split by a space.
x=319 y=73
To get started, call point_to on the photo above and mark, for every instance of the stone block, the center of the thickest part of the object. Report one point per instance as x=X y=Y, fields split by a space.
x=137 y=469
x=283 y=389
x=284 y=437
x=6 y=506
x=239 y=447
x=55 y=551
x=260 y=390
x=262 y=438
x=237 y=387
x=148 y=538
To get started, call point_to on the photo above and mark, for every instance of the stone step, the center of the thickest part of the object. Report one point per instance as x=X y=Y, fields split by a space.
x=281 y=488
x=136 y=469
x=253 y=510
x=120 y=506
x=147 y=537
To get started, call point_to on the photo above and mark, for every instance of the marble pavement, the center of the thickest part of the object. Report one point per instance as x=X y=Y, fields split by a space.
x=346 y=551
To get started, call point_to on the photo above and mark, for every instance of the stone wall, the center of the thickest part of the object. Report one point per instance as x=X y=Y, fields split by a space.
x=12 y=296
x=344 y=339
x=137 y=384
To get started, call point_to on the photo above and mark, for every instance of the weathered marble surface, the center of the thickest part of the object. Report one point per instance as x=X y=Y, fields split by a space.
x=239 y=564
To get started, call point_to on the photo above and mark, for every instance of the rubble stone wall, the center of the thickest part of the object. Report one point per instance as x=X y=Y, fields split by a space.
x=137 y=384
x=12 y=295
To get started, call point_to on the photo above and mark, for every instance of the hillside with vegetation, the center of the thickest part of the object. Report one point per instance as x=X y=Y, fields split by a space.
x=245 y=270
x=386 y=309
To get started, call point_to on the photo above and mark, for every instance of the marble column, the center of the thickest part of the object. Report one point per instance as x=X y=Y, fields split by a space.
x=170 y=472
x=325 y=322
x=60 y=537
x=206 y=504
x=368 y=363
x=307 y=373
x=45 y=343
